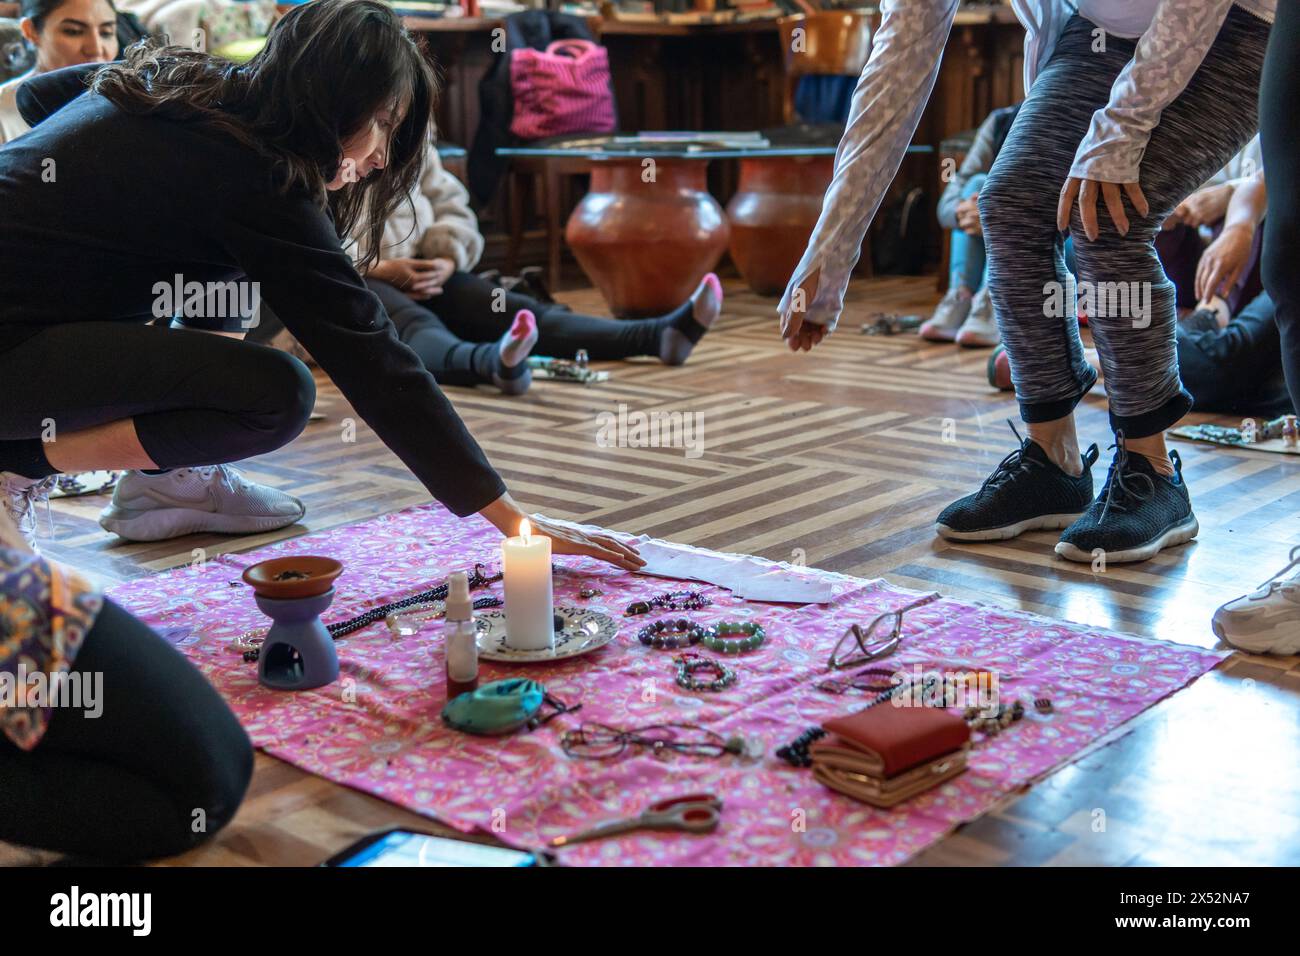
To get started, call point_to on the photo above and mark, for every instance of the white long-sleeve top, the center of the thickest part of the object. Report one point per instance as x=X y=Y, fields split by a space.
x=900 y=74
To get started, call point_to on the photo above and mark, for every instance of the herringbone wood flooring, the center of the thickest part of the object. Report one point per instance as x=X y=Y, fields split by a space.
x=843 y=457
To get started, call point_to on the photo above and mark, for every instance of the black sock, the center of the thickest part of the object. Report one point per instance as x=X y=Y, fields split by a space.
x=503 y=371
x=154 y=472
x=682 y=319
x=26 y=457
x=484 y=359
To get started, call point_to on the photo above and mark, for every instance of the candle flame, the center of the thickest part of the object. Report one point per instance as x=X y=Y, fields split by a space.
x=525 y=529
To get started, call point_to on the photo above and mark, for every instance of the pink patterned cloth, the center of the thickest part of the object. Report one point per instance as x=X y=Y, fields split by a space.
x=377 y=728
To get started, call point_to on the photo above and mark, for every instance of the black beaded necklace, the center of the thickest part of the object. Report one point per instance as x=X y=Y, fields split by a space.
x=477 y=579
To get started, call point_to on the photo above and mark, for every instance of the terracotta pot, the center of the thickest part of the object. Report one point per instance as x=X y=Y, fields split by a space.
x=647 y=245
x=773 y=213
x=296 y=576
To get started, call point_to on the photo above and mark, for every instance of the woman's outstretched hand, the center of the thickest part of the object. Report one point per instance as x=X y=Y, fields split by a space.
x=801 y=336
x=1086 y=190
x=506 y=515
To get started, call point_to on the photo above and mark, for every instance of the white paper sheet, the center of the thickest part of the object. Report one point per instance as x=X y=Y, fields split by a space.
x=745 y=575
x=754 y=579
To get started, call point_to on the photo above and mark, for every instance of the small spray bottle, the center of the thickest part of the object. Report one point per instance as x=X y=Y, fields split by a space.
x=462 y=638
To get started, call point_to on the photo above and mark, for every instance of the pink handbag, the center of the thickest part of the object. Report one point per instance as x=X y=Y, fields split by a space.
x=562 y=89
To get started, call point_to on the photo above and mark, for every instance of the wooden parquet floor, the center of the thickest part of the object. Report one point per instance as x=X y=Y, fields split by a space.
x=843 y=458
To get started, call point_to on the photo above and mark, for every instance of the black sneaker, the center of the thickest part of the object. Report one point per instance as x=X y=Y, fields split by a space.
x=1026 y=492
x=1138 y=512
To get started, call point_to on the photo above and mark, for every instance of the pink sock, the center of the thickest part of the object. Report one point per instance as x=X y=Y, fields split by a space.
x=519 y=341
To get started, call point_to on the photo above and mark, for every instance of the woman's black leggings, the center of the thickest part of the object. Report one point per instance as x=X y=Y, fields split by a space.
x=1280 y=137
x=196 y=398
x=161 y=769
x=449 y=330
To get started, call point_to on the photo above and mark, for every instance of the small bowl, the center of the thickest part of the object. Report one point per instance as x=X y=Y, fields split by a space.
x=297 y=576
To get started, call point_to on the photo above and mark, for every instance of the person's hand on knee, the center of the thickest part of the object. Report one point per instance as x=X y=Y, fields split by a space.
x=418 y=278
x=1086 y=191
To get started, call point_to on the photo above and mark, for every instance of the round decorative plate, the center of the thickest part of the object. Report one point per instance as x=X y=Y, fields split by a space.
x=584 y=630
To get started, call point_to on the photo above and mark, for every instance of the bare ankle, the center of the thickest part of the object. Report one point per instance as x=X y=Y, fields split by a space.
x=1066 y=458
x=1059 y=441
x=1153 y=449
x=1160 y=463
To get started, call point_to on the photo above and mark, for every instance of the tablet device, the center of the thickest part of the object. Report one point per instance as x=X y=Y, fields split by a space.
x=398 y=847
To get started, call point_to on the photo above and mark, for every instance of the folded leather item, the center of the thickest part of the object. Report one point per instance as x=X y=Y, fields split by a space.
x=885 y=740
x=886 y=792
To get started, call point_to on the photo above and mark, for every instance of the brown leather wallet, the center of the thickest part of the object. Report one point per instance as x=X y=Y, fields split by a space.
x=886 y=740
x=893 y=790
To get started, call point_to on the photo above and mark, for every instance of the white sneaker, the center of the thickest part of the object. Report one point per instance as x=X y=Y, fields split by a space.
x=214 y=498
x=19 y=497
x=1267 y=620
x=948 y=317
x=980 y=330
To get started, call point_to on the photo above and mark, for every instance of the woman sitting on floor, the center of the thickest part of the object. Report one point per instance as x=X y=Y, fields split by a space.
x=224 y=175
x=1182 y=241
x=965 y=314
x=147 y=760
x=63 y=33
x=469 y=331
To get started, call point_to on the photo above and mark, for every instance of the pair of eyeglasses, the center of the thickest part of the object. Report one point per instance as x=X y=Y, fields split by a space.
x=593 y=741
x=878 y=639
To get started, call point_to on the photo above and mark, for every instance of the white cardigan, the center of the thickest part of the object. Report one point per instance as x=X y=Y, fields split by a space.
x=12 y=124
x=901 y=71
x=438 y=223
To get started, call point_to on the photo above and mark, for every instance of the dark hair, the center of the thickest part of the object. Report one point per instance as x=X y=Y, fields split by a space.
x=328 y=66
x=38 y=10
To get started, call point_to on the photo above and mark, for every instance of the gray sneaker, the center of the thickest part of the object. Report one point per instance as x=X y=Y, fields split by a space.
x=213 y=498
x=19 y=497
x=948 y=317
x=980 y=330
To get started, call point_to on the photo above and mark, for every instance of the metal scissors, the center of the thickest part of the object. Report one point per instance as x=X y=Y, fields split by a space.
x=695 y=813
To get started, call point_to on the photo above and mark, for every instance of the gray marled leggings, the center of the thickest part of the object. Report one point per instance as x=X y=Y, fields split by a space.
x=1128 y=299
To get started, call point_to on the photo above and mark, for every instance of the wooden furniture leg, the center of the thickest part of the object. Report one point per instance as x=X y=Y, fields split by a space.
x=554 y=223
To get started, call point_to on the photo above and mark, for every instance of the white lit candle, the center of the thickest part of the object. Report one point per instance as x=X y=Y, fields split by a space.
x=530 y=612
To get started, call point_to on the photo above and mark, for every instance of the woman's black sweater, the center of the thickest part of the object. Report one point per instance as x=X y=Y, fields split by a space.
x=98 y=205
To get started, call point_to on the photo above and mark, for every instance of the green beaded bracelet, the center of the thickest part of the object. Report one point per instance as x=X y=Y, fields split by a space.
x=722 y=637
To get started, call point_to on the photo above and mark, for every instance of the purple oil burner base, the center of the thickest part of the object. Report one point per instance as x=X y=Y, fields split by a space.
x=298 y=652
